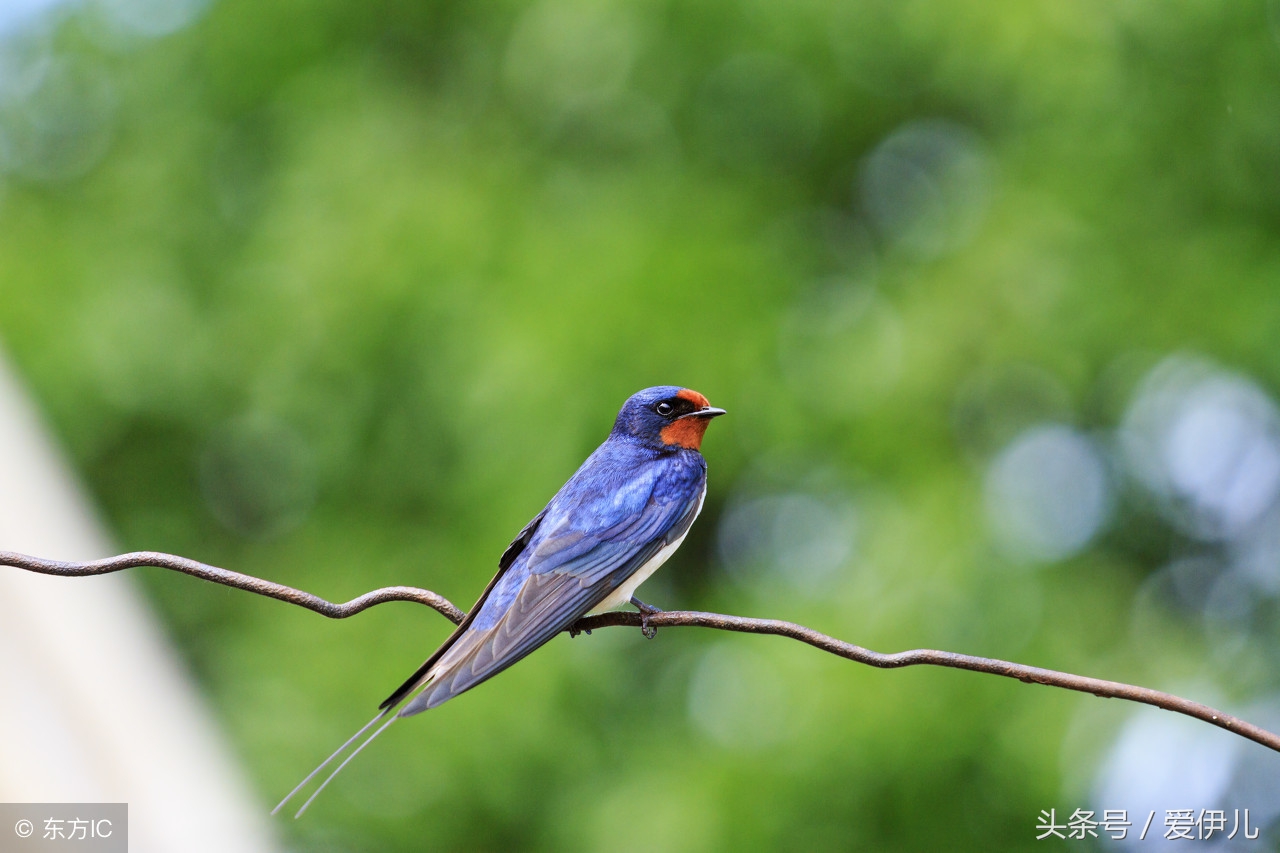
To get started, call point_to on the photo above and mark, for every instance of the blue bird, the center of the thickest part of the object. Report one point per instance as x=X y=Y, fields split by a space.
x=610 y=527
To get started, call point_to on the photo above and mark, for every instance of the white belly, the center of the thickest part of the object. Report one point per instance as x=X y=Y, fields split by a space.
x=622 y=594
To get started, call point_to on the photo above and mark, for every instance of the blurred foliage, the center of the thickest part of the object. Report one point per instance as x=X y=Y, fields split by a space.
x=348 y=290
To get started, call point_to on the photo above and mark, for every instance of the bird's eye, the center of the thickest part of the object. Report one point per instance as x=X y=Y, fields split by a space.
x=664 y=409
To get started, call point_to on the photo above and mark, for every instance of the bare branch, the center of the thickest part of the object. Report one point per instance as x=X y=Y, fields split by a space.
x=227 y=577
x=664 y=619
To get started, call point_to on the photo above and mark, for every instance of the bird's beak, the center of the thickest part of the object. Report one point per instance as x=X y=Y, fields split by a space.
x=704 y=412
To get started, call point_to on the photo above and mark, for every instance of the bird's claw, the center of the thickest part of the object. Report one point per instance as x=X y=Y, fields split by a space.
x=646 y=610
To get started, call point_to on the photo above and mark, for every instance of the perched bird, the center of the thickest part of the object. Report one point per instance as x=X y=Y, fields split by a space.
x=615 y=521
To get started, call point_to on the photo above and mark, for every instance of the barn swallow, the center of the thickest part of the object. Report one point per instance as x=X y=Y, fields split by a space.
x=610 y=527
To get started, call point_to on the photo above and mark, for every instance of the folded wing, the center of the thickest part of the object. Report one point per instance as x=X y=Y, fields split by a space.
x=568 y=573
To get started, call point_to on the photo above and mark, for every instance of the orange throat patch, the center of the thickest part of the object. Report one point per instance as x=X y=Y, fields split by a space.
x=686 y=432
x=693 y=397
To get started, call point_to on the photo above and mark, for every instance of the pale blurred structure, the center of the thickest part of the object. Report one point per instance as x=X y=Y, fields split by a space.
x=95 y=706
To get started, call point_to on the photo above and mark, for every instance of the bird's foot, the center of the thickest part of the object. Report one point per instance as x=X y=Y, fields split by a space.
x=646 y=610
x=573 y=632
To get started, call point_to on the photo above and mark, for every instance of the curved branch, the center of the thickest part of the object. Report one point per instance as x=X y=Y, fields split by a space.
x=664 y=619
x=226 y=577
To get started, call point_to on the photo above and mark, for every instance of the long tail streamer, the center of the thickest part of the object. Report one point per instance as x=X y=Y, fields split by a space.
x=330 y=759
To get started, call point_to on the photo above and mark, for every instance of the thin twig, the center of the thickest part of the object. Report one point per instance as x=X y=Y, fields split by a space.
x=664 y=619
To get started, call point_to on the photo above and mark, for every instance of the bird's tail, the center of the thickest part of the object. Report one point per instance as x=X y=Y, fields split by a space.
x=385 y=712
x=388 y=709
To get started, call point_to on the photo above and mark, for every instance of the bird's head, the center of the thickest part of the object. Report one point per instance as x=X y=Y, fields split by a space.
x=667 y=416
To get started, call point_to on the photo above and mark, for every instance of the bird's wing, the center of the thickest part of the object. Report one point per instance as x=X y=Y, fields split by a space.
x=518 y=544
x=504 y=562
x=570 y=572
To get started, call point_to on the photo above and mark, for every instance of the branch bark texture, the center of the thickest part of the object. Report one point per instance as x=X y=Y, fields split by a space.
x=663 y=619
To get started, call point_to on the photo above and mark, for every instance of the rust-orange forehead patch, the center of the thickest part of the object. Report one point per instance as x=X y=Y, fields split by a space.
x=693 y=397
x=686 y=432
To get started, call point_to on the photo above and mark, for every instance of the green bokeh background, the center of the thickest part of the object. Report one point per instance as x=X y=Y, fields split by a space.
x=343 y=292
